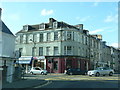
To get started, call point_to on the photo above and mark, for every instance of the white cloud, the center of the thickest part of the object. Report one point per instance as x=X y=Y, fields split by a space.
x=83 y=19
x=45 y=12
x=111 y=18
x=96 y=31
x=114 y=45
x=95 y=3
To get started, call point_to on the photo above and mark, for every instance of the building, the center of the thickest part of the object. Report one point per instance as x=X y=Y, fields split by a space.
x=62 y=45
x=57 y=45
x=7 y=44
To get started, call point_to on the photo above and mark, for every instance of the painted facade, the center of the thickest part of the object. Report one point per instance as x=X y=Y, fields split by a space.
x=62 y=45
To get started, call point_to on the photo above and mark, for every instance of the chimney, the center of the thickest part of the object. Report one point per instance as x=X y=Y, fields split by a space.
x=0 y=12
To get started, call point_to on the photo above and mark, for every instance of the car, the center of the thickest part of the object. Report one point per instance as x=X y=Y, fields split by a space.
x=101 y=71
x=38 y=70
x=75 y=71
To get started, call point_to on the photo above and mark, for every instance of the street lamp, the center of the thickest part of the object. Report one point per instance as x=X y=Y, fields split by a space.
x=33 y=52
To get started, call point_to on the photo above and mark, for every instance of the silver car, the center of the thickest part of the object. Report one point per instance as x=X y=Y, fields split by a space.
x=101 y=71
x=38 y=70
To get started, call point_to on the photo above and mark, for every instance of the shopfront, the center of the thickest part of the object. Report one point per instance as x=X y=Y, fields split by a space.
x=60 y=64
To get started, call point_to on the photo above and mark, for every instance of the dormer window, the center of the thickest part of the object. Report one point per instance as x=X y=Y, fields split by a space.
x=25 y=27
x=42 y=26
x=55 y=24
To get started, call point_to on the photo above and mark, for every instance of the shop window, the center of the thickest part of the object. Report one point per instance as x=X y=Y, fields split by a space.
x=55 y=65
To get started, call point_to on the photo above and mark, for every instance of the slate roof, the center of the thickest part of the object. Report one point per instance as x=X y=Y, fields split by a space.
x=61 y=24
x=5 y=29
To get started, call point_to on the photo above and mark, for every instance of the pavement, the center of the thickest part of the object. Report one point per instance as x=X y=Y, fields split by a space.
x=24 y=83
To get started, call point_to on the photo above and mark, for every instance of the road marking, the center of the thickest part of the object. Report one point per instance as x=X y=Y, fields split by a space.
x=82 y=78
x=49 y=82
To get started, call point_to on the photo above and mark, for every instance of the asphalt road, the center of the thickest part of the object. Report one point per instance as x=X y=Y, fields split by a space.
x=76 y=81
x=82 y=84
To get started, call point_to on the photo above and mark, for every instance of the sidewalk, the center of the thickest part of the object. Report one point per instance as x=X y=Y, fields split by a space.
x=24 y=83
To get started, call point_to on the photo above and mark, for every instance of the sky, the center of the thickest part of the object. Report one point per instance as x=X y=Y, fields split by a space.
x=97 y=17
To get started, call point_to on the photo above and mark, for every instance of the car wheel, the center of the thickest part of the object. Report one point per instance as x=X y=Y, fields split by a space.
x=42 y=73
x=97 y=74
x=111 y=73
x=71 y=73
x=31 y=72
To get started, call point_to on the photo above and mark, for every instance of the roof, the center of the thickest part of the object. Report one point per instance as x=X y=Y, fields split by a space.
x=5 y=29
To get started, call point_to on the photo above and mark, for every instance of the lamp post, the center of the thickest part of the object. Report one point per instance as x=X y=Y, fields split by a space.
x=33 y=52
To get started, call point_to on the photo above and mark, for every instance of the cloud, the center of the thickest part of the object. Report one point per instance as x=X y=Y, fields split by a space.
x=111 y=18
x=114 y=45
x=45 y=12
x=96 y=31
x=83 y=19
x=95 y=3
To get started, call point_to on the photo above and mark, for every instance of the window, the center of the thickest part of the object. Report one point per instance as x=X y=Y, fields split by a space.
x=20 y=52
x=34 y=51
x=55 y=65
x=25 y=27
x=55 y=50
x=41 y=37
x=40 y=51
x=47 y=50
x=21 y=39
x=48 y=36
x=55 y=24
x=67 y=50
x=30 y=38
x=69 y=35
x=42 y=26
x=24 y=38
x=55 y=35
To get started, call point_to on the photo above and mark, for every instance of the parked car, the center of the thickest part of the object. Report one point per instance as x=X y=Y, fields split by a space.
x=101 y=71
x=75 y=71
x=38 y=70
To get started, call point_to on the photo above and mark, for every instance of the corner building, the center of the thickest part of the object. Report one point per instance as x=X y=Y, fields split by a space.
x=62 y=45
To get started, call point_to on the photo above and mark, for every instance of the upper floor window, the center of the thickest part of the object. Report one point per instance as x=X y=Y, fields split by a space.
x=55 y=35
x=20 y=52
x=25 y=27
x=55 y=50
x=21 y=38
x=24 y=38
x=47 y=50
x=30 y=38
x=67 y=50
x=40 y=51
x=41 y=37
x=55 y=24
x=42 y=26
x=69 y=35
x=48 y=36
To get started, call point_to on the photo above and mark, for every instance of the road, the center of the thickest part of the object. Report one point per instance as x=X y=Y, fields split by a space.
x=76 y=81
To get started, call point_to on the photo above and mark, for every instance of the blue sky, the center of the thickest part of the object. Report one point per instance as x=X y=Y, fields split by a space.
x=97 y=17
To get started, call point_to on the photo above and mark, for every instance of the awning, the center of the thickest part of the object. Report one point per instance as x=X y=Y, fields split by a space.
x=23 y=61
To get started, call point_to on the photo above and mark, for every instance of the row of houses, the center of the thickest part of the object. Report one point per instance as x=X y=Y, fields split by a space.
x=57 y=45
